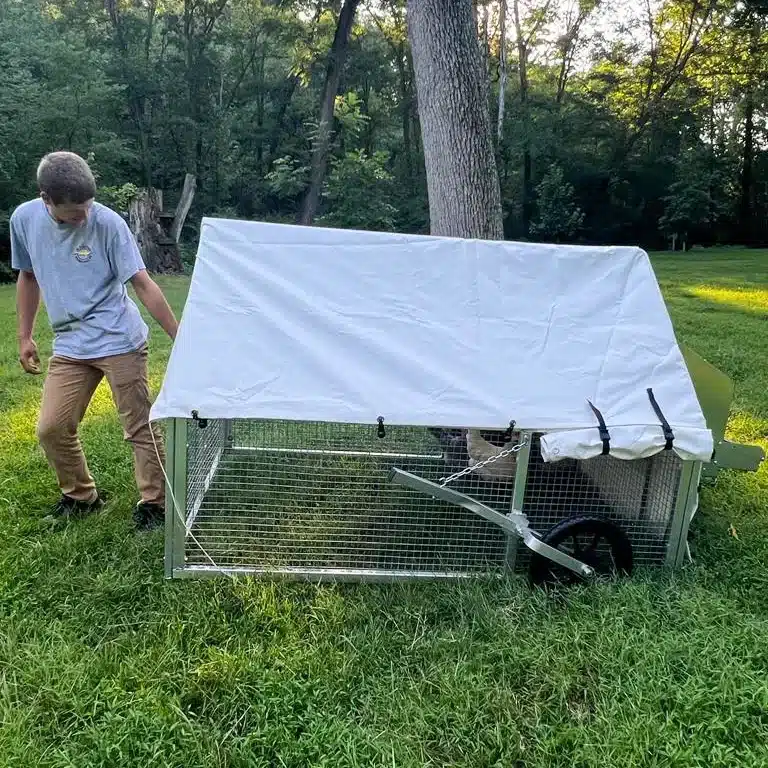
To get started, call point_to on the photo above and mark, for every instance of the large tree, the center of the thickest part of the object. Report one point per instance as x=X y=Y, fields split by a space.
x=462 y=180
x=336 y=59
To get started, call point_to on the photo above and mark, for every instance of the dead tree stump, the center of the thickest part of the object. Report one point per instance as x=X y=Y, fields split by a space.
x=158 y=240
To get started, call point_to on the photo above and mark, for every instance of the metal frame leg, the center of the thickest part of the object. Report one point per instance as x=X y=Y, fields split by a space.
x=170 y=491
x=176 y=497
x=685 y=507
x=518 y=496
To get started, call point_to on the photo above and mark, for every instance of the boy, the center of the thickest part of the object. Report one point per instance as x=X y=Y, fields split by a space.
x=79 y=255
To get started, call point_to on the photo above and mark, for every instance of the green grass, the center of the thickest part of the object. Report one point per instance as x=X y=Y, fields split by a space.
x=103 y=663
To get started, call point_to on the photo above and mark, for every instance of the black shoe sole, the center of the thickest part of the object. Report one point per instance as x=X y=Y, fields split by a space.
x=75 y=514
x=147 y=522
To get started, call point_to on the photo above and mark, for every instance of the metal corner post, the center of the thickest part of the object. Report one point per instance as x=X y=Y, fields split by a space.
x=229 y=433
x=692 y=500
x=679 y=526
x=170 y=490
x=176 y=496
x=518 y=496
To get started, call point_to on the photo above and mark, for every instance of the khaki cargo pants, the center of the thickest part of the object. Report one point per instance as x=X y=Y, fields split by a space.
x=68 y=389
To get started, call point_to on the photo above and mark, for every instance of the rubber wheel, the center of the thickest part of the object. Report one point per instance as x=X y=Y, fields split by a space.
x=594 y=540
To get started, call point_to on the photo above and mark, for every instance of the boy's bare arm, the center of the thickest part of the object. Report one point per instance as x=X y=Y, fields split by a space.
x=27 y=304
x=150 y=295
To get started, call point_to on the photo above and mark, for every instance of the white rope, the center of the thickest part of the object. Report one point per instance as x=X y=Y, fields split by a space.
x=182 y=520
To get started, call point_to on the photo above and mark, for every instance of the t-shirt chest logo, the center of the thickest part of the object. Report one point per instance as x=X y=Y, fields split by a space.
x=83 y=253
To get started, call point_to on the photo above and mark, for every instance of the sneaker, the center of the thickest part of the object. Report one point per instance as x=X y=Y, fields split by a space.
x=67 y=508
x=147 y=517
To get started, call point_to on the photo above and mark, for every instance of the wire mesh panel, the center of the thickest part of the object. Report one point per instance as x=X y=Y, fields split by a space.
x=204 y=450
x=296 y=496
x=639 y=495
x=315 y=498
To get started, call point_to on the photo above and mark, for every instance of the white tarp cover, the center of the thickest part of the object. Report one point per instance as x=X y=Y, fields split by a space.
x=309 y=323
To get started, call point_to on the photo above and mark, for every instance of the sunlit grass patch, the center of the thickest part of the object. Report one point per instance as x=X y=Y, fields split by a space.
x=752 y=300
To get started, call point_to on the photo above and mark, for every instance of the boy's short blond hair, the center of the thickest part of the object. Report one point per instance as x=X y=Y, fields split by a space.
x=66 y=178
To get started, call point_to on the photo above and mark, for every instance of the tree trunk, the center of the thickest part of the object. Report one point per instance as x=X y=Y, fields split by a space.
x=370 y=129
x=159 y=251
x=502 y=67
x=747 y=170
x=284 y=101
x=747 y=191
x=336 y=59
x=462 y=180
x=406 y=102
x=138 y=106
x=522 y=53
x=485 y=46
x=182 y=209
x=575 y=20
x=260 y=110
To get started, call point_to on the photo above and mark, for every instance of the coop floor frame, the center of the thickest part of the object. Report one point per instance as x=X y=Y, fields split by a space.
x=183 y=508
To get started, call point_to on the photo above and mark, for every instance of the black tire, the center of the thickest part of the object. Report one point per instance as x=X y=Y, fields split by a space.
x=608 y=550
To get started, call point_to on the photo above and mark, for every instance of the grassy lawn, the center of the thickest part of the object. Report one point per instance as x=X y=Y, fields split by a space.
x=103 y=663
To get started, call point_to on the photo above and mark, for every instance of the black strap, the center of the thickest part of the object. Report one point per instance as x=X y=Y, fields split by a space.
x=669 y=436
x=605 y=436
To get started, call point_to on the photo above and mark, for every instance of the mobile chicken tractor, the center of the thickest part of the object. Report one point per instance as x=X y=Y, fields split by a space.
x=369 y=406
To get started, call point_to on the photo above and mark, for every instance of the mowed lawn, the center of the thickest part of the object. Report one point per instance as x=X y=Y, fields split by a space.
x=104 y=663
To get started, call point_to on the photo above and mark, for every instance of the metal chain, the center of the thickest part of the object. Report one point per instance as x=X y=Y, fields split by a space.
x=480 y=464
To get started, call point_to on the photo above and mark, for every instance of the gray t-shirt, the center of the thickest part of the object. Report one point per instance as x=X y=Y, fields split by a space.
x=82 y=273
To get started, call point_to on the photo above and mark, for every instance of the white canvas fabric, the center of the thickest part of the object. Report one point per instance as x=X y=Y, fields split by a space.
x=626 y=443
x=309 y=323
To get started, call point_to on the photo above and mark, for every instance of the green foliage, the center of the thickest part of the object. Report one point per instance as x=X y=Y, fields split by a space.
x=358 y=192
x=230 y=91
x=696 y=198
x=287 y=180
x=348 y=112
x=118 y=198
x=559 y=217
x=6 y=273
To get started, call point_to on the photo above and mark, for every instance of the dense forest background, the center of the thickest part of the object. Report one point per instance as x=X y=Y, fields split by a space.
x=637 y=122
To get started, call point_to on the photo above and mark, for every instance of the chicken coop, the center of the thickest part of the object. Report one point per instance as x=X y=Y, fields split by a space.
x=372 y=406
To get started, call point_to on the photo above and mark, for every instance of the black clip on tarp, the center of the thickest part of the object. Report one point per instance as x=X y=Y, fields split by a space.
x=605 y=435
x=669 y=436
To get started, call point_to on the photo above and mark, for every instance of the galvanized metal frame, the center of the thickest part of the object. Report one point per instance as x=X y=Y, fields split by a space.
x=175 y=493
x=320 y=575
x=518 y=496
x=170 y=491
x=176 y=497
x=179 y=520
x=687 y=502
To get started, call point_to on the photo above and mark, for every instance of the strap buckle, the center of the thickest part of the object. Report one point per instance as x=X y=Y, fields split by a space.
x=605 y=435
x=669 y=435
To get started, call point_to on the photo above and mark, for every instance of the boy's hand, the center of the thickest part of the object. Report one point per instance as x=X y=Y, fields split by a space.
x=28 y=357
